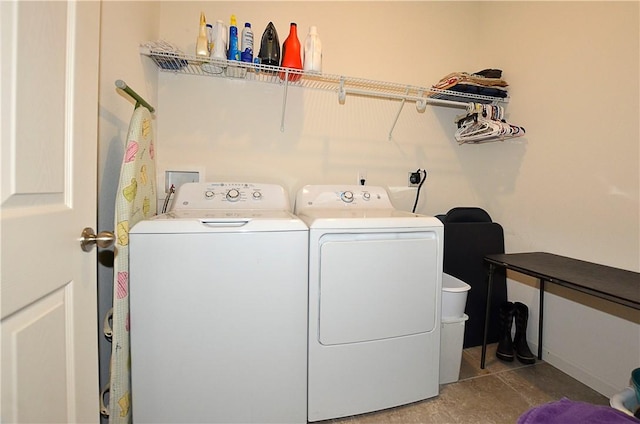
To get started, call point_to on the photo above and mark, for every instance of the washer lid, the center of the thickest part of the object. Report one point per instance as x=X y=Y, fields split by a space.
x=208 y=221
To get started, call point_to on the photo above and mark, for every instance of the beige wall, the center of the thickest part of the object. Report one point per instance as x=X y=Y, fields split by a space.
x=575 y=189
x=570 y=186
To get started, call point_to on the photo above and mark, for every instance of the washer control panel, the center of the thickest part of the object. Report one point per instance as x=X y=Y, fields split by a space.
x=348 y=196
x=231 y=195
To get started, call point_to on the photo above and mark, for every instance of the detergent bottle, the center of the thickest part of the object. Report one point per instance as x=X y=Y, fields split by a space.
x=219 y=38
x=313 y=52
x=234 y=48
x=291 y=54
x=246 y=54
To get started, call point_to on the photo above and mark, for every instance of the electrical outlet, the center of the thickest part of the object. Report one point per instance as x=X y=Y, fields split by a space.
x=414 y=178
x=177 y=178
x=362 y=177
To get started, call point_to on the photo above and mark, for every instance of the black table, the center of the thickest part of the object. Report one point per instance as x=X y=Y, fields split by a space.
x=613 y=284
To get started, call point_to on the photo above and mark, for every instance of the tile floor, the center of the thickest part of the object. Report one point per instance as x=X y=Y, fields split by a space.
x=498 y=394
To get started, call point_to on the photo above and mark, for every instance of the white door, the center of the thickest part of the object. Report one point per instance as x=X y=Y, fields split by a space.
x=49 y=92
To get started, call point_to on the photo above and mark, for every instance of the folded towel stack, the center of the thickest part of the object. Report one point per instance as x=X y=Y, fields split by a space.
x=487 y=82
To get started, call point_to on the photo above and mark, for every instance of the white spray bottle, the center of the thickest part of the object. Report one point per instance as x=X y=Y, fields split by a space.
x=313 y=52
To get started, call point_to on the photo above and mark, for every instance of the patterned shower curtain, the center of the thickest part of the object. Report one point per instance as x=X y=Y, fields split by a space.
x=135 y=201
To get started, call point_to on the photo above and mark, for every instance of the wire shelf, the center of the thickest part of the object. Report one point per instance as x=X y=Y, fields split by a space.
x=342 y=85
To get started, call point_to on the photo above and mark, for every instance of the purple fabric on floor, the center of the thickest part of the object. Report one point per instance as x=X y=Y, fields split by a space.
x=566 y=411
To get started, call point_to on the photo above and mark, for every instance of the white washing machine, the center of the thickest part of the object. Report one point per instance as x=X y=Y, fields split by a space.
x=375 y=276
x=219 y=308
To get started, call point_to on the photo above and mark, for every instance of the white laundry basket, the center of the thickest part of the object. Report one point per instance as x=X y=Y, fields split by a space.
x=451 y=340
x=454 y=296
x=454 y=300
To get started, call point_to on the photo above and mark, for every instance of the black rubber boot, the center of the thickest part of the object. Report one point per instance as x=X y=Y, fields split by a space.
x=520 y=340
x=505 y=344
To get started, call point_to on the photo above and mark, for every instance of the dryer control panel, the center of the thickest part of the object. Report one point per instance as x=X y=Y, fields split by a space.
x=342 y=196
x=231 y=195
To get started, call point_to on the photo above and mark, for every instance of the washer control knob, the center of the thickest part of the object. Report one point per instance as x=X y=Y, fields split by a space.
x=347 y=196
x=233 y=195
x=257 y=195
x=366 y=195
x=208 y=194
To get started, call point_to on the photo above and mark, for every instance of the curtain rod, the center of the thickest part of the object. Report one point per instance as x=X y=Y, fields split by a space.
x=139 y=100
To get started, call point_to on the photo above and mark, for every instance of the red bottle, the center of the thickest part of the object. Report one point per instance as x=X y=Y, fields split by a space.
x=291 y=54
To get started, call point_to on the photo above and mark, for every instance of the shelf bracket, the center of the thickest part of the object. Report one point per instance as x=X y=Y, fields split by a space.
x=342 y=93
x=284 y=98
x=395 y=121
x=421 y=102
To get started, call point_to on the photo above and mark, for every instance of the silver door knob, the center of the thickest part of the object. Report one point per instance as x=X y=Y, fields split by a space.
x=103 y=239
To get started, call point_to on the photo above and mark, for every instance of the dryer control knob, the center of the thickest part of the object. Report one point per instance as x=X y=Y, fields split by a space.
x=233 y=195
x=208 y=194
x=366 y=195
x=347 y=197
x=257 y=195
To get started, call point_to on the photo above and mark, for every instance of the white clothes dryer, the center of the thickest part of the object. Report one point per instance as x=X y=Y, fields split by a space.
x=218 y=299
x=375 y=276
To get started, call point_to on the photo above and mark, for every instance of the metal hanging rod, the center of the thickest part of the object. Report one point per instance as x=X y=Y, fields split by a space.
x=139 y=100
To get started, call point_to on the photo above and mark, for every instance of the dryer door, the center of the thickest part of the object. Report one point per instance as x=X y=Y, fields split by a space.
x=377 y=286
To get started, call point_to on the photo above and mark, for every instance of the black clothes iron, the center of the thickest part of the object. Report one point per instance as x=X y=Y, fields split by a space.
x=270 y=46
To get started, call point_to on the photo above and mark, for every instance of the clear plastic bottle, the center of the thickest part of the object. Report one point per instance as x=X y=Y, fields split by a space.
x=313 y=52
x=246 y=54
x=209 y=37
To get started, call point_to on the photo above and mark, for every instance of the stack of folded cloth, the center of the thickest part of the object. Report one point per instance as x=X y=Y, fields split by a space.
x=487 y=82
